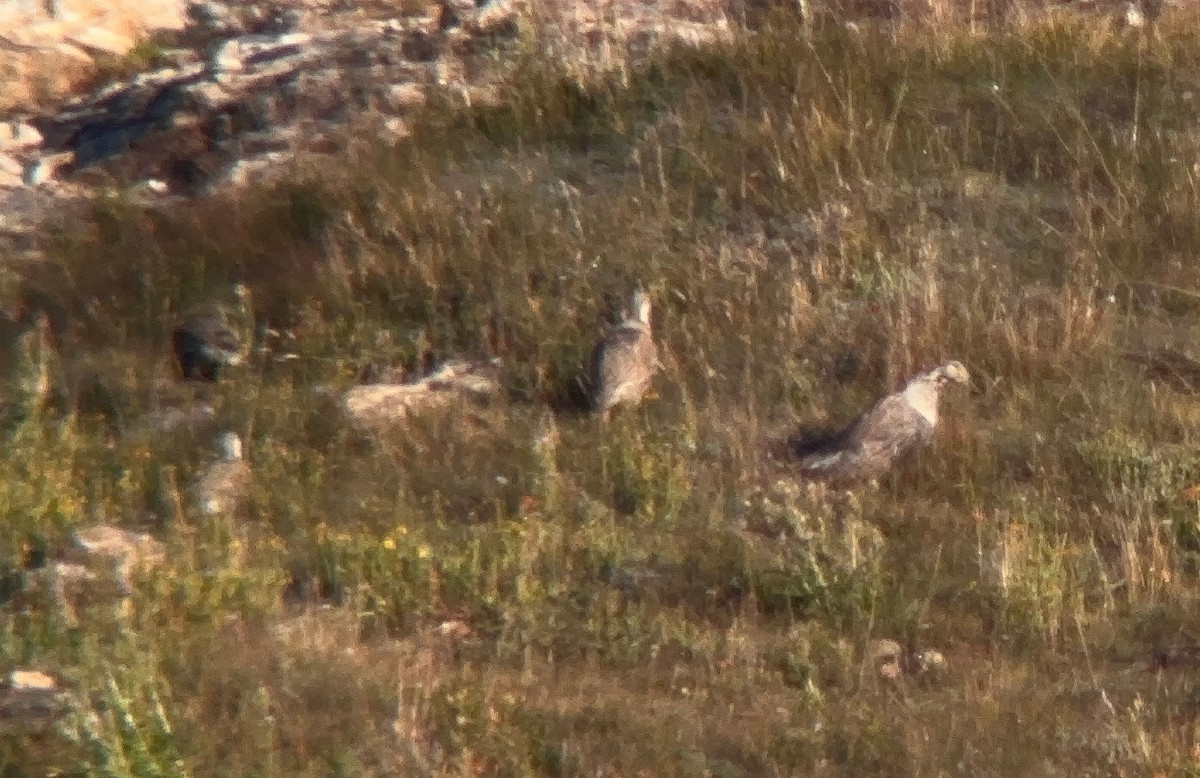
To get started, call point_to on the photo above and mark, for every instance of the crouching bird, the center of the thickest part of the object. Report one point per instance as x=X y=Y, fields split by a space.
x=885 y=433
x=624 y=362
x=206 y=340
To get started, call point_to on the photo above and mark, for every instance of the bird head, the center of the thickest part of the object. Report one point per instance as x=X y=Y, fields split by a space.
x=952 y=372
x=640 y=303
x=230 y=446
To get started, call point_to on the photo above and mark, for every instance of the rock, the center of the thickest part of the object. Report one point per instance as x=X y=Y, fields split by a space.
x=405 y=96
x=455 y=630
x=30 y=701
x=258 y=87
x=49 y=46
x=119 y=550
x=213 y=19
x=42 y=169
x=372 y=405
x=99 y=41
x=486 y=18
x=106 y=541
x=17 y=134
x=11 y=171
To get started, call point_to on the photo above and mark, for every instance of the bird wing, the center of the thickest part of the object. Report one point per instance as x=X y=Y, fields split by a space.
x=872 y=442
x=221 y=485
x=211 y=335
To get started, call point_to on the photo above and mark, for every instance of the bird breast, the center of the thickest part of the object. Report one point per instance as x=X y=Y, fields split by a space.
x=923 y=398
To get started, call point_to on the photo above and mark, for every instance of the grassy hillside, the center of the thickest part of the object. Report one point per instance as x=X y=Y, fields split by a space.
x=818 y=214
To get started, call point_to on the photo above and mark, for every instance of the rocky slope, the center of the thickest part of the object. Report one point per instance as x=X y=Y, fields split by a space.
x=229 y=93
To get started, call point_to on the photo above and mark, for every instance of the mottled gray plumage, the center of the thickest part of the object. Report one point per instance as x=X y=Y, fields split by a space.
x=205 y=341
x=222 y=485
x=892 y=428
x=625 y=361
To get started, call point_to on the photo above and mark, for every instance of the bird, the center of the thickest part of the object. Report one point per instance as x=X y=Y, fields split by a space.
x=206 y=341
x=224 y=482
x=885 y=433
x=31 y=359
x=624 y=361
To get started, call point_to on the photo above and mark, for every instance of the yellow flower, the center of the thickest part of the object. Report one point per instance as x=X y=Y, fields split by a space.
x=389 y=543
x=423 y=551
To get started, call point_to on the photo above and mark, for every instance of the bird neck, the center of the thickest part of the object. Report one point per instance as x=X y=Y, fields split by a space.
x=922 y=397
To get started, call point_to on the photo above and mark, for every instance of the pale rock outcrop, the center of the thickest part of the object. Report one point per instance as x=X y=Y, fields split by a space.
x=371 y=406
x=122 y=551
x=242 y=92
x=30 y=701
x=96 y=570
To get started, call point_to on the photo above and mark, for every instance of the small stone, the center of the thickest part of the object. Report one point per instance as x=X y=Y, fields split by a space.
x=497 y=17
x=889 y=670
x=25 y=680
x=61 y=578
x=211 y=18
x=404 y=96
x=397 y=128
x=455 y=630
x=283 y=21
x=36 y=172
x=104 y=540
x=373 y=405
x=224 y=58
x=18 y=135
x=123 y=551
x=98 y=40
x=11 y=171
x=30 y=700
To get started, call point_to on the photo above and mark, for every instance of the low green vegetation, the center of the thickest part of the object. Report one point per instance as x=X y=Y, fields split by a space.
x=818 y=213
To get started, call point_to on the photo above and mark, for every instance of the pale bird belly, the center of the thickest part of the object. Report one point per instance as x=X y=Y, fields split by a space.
x=924 y=401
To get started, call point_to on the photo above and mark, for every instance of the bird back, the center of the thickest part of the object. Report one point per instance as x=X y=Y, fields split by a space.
x=623 y=365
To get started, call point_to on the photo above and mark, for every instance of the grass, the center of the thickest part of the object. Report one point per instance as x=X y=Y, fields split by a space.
x=818 y=212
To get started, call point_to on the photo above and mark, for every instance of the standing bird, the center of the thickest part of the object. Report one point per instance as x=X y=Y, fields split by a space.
x=625 y=361
x=223 y=484
x=888 y=431
x=206 y=340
